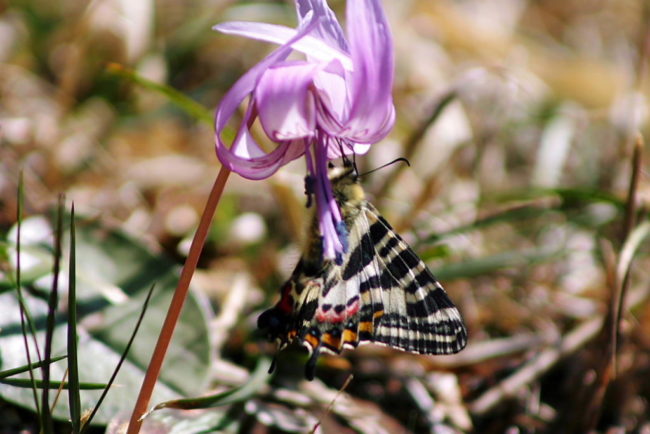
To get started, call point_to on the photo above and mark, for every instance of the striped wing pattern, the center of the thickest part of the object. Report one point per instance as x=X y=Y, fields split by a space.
x=381 y=293
x=417 y=313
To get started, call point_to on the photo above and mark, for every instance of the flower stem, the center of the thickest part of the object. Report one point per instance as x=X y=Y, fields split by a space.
x=153 y=371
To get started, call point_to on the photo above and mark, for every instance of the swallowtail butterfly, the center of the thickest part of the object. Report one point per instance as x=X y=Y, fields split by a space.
x=381 y=293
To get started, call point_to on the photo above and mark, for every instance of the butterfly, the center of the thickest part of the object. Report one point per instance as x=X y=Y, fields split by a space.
x=381 y=292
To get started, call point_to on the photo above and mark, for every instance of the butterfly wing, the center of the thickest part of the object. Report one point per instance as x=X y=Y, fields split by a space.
x=406 y=305
x=382 y=293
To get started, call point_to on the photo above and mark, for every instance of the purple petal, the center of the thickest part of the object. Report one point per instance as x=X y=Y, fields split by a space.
x=253 y=162
x=285 y=101
x=332 y=228
x=333 y=97
x=250 y=161
x=328 y=29
x=314 y=48
x=372 y=114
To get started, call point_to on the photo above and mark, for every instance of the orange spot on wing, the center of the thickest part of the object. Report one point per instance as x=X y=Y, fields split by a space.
x=312 y=340
x=331 y=341
x=350 y=336
x=366 y=326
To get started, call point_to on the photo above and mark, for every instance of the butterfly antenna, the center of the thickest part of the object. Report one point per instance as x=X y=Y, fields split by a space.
x=354 y=164
x=397 y=160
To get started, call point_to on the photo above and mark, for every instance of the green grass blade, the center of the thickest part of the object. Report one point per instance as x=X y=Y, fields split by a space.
x=24 y=312
x=238 y=394
x=47 y=425
x=569 y=199
x=188 y=105
x=86 y=422
x=74 y=399
x=25 y=368
x=26 y=382
x=515 y=213
x=491 y=264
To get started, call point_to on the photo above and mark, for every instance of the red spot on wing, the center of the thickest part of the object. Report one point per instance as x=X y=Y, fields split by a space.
x=352 y=309
x=286 y=302
x=331 y=316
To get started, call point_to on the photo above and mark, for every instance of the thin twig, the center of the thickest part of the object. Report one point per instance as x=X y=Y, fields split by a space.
x=346 y=383
x=153 y=371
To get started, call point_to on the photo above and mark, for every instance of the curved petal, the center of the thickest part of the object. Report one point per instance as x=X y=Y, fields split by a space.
x=285 y=101
x=328 y=29
x=313 y=47
x=249 y=160
x=372 y=113
x=333 y=103
x=255 y=162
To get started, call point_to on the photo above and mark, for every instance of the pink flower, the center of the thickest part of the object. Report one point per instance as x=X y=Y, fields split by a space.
x=335 y=102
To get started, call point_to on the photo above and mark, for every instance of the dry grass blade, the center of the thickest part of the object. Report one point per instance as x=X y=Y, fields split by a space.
x=605 y=365
x=483 y=351
x=629 y=249
x=545 y=360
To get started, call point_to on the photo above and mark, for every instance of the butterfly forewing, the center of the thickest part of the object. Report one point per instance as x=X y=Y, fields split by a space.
x=418 y=315
x=382 y=292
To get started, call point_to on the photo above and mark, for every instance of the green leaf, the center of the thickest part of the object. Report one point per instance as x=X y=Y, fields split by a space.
x=113 y=276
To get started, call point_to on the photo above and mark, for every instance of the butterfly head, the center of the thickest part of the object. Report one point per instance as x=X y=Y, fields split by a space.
x=345 y=183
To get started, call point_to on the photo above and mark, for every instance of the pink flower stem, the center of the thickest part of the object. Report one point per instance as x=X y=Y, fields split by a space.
x=153 y=371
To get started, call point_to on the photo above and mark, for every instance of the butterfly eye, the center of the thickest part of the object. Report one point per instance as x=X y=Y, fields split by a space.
x=330 y=165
